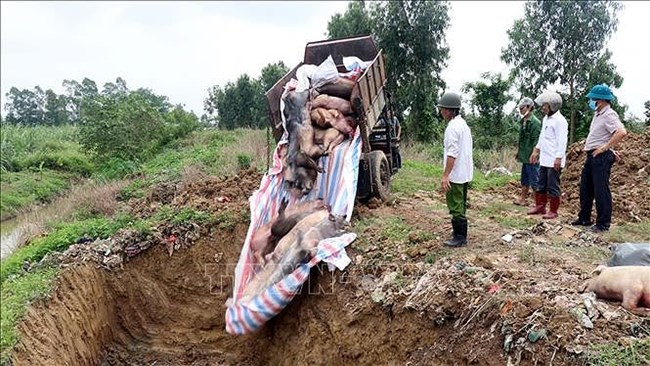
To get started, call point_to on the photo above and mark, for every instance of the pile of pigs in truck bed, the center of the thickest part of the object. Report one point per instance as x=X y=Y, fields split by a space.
x=318 y=116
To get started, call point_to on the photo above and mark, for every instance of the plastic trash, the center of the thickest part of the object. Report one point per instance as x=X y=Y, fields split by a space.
x=353 y=62
x=630 y=254
x=325 y=73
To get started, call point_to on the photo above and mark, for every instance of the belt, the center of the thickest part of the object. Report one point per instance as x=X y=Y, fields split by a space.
x=590 y=152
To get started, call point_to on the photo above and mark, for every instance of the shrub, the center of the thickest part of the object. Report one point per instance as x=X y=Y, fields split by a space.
x=244 y=161
x=126 y=127
x=68 y=160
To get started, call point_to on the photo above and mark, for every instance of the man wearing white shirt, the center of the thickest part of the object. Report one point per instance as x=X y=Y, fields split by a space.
x=458 y=166
x=551 y=154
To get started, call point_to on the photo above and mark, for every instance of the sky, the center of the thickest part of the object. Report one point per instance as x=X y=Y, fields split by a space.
x=181 y=49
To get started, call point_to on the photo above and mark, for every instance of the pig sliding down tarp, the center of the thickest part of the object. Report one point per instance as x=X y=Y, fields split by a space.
x=337 y=187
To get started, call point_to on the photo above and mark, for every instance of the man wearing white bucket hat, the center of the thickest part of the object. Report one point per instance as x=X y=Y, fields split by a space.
x=550 y=151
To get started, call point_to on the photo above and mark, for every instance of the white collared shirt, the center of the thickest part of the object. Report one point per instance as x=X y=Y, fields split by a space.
x=552 y=142
x=458 y=144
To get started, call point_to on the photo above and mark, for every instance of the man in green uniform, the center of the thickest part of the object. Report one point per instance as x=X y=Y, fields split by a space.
x=458 y=166
x=528 y=136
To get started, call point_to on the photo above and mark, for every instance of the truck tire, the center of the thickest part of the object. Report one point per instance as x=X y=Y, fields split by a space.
x=380 y=174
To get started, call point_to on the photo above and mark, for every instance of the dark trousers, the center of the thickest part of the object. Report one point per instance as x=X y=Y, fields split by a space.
x=594 y=183
x=549 y=181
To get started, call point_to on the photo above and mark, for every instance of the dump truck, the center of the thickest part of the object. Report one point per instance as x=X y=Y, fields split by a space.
x=370 y=100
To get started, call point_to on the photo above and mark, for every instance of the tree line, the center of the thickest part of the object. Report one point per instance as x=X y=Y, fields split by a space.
x=114 y=122
x=556 y=44
x=242 y=103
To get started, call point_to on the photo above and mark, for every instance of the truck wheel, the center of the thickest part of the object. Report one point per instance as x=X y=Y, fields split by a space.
x=380 y=172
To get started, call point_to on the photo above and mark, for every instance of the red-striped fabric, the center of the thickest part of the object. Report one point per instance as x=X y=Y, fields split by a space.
x=336 y=186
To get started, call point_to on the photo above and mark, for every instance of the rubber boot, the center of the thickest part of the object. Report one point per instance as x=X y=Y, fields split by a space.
x=460 y=233
x=540 y=204
x=555 y=205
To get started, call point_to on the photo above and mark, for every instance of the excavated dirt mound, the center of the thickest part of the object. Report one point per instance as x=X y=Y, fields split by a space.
x=629 y=182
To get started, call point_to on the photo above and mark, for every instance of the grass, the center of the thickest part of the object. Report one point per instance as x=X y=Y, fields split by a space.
x=417 y=176
x=629 y=232
x=17 y=295
x=637 y=353
x=527 y=254
x=499 y=211
x=481 y=183
x=38 y=163
x=425 y=176
x=23 y=145
x=59 y=239
x=422 y=168
x=589 y=254
x=435 y=256
x=25 y=188
x=395 y=230
x=209 y=152
x=186 y=214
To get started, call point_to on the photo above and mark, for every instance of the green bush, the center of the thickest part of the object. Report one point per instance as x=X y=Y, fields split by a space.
x=115 y=168
x=69 y=160
x=125 y=127
x=180 y=123
x=244 y=161
x=131 y=126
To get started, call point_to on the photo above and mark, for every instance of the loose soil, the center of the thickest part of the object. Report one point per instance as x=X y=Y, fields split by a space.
x=629 y=181
x=405 y=299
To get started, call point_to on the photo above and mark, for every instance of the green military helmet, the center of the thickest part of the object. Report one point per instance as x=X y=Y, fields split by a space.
x=449 y=100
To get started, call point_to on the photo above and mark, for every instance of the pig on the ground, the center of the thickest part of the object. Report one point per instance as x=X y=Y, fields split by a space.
x=628 y=284
x=330 y=102
x=341 y=88
x=329 y=138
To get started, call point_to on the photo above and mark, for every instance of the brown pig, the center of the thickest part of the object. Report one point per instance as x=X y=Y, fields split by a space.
x=267 y=236
x=341 y=88
x=321 y=117
x=288 y=218
x=329 y=138
x=340 y=122
x=629 y=284
x=306 y=206
x=306 y=141
x=305 y=181
x=284 y=255
x=329 y=102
